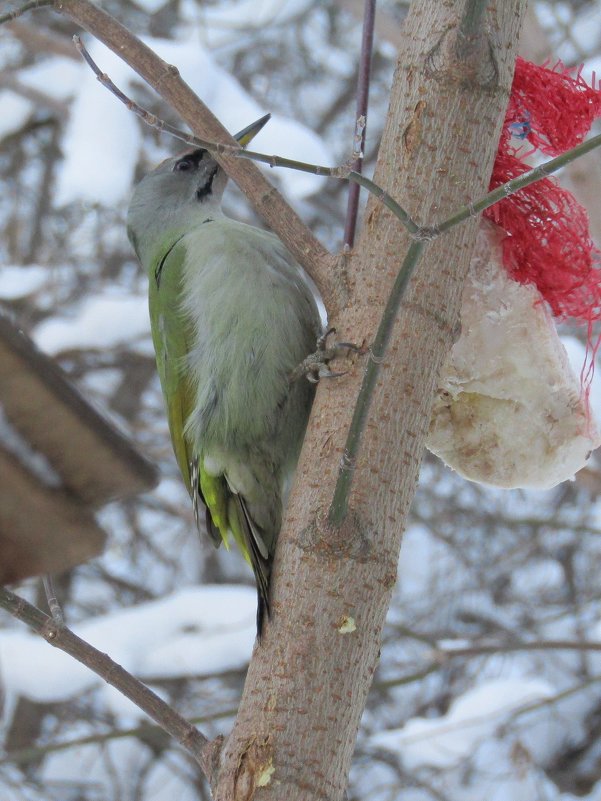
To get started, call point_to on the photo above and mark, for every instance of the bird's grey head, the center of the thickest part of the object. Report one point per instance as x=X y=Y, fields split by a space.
x=179 y=194
x=191 y=178
x=174 y=195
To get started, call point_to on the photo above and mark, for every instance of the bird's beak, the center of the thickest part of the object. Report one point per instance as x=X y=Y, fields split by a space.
x=247 y=134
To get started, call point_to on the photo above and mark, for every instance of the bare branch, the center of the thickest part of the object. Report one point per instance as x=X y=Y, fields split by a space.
x=521 y=182
x=559 y=696
x=339 y=506
x=37 y=40
x=345 y=173
x=236 y=151
x=24 y=756
x=8 y=81
x=442 y=657
x=537 y=645
x=63 y=638
x=367 y=41
x=29 y=6
x=165 y=79
x=53 y=604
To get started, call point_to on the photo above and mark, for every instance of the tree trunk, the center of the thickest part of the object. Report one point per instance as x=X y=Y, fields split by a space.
x=308 y=680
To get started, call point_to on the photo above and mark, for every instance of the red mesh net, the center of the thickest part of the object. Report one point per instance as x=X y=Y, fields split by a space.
x=548 y=241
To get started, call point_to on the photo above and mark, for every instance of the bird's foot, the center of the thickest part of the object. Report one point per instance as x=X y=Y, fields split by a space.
x=317 y=365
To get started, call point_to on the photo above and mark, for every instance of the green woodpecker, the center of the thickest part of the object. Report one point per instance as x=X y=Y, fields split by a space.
x=232 y=315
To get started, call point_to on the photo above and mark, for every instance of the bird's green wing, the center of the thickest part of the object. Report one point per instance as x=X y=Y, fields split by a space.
x=172 y=337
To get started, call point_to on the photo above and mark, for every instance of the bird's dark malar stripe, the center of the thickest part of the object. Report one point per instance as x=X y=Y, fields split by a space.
x=207 y=188
x=161 y=264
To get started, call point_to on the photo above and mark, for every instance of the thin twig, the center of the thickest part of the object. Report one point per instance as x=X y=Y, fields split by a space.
x=24 y=756
x=29 y=6
x=63 y=638
x=39 y=99
x=344 y=173
x=521 y=182
x=367 y=41
x=417 y=231
x=560 y=696
x=165 y=79
x=40 y=41
x=442 y=658
x=505 y=648
x=339 y=506
x=53 y=604
x=408 y=678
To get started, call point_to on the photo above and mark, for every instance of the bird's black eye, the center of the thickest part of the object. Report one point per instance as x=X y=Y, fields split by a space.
x=183 y=165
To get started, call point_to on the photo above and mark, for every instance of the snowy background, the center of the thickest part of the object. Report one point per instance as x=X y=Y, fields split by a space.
x=465 y=706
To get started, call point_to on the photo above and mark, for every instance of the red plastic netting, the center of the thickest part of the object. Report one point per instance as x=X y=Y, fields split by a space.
x=548 y=241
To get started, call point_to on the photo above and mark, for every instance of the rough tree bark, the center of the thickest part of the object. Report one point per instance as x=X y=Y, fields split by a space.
x=308 y=680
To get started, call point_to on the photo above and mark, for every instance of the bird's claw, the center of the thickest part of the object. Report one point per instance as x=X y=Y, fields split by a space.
x=314 y=376
x=316 y=366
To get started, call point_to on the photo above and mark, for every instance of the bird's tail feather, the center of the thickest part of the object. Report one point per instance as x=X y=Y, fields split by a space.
x=199 y=501
x=227 y=512
x=260 y=560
